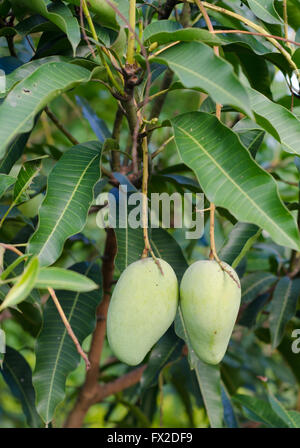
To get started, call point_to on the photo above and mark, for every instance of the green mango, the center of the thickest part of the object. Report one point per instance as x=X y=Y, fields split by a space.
x=142 y=308
x=209 y=300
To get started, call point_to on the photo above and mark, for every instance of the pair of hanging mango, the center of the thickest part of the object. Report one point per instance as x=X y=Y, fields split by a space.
x=145 y=301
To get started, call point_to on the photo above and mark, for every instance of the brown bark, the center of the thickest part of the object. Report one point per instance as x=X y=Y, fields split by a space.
x=90 y=387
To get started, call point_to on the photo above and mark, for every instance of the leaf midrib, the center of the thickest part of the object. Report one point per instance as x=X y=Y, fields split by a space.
x=261 y=211
x=68 y=203
x=282 y=309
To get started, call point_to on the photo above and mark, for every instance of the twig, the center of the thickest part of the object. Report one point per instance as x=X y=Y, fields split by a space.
x=12 y=248
x=86 y=11
x=69 y=328
x=286 y=23
x=252 y=33
x=60 y=126
x=115 y=155
x=162 y=147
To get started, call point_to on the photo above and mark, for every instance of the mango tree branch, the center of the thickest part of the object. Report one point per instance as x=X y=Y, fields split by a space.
x=125 y=381
x=86 y=396
x=60 y=126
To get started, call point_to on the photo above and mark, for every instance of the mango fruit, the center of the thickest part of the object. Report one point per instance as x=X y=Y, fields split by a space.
x=142 y=307
x=209 y=301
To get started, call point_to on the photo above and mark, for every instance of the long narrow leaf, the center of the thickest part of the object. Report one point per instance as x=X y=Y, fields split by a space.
x=226 y=172
x=64 y=210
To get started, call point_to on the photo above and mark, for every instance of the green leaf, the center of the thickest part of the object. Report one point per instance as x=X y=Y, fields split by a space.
x=165 y=247
x=255 y=284
x=59 y=278
x=60 y=15
x=69 y=195
x=29 y=316
x=283 y=308
x=208 y=377
x=208 y=148
x=130 y=242
x=32 y=94
x=250 y=134
x=25 y=70
x=197 y=66
x=12 y=266
x=13 y=153
x=209 y=380
x=23 y=286
x=165 y=31
x=239 y=241
x=259 y=411
x=292 y=419
x=56 y=354
x=282 y=124
x=168 y=349
x=25 y=177
x=264 y=9
x=18 y=376
x=5 y=182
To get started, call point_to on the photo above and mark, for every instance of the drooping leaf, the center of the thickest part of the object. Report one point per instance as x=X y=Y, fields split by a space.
x=255 y=284
x=208 y=147
x=5 y=182
x=250 y=134
x=17 y=374
x=229 y=414
x=23 y=286
x=25 y=70
x=165 y=31
x=197 y=67
x=283 y=307
x=25 y=177
x=130 y=241
x=56 y=354
x=28 y=315
x=64 y=210
x=165 y=247
x=13 y=153
x=168 y=349
x=58 y=278
x=32 y=94
x=292 y=419
x=264 y=9
x=60 y=15
x=97 y=124
x=282 y=124
x=259 y=411
x=239 y=241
